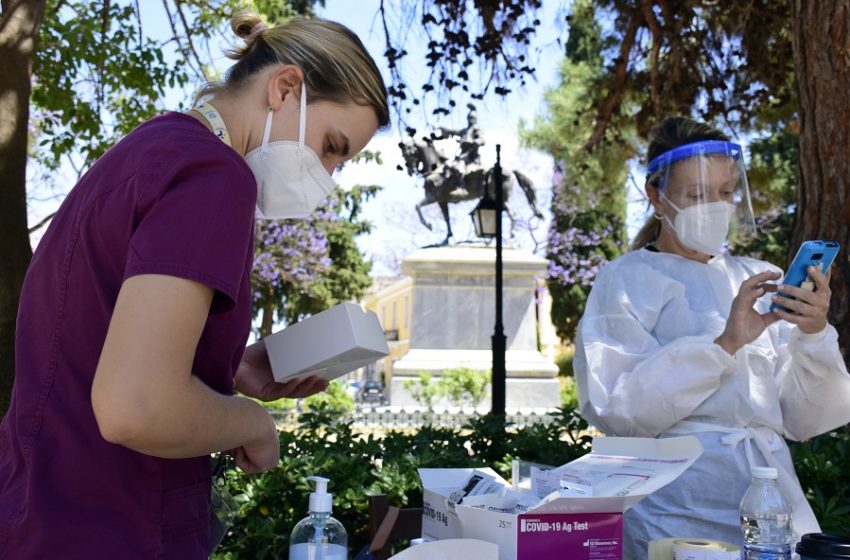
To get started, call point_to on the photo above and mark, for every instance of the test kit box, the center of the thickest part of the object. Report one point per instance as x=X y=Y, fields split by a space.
x=439 y=516
x=328 y=344
x=582 y=518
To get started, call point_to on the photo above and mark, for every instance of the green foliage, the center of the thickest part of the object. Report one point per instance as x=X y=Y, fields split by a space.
x=335 y=397
x=725 y=62
x=423 y=391
x=564 y=361
x=772 y=169
x=347 y=278
x=279 y=404
x=465 y=386
x=569 y=392
x=566 y=375
x=96 y=77
x=822 y=464
x=303 y=267
x=461 y=386
x=772 y=176
x=589 y=200
x=359 y=465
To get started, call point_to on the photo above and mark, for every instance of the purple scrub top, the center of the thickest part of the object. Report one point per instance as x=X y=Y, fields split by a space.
x=172 y=199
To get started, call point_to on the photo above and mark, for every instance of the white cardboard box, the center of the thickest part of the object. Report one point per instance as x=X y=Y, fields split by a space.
x=328 y=344
x=439 y=519
x=569 y=527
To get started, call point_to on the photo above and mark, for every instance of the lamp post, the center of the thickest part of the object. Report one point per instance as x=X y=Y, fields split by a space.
x=487 y=218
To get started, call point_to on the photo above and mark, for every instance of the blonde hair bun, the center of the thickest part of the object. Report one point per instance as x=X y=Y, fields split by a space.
x=249 y=26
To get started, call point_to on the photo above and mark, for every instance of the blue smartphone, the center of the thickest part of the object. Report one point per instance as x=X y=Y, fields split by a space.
x=811 y=253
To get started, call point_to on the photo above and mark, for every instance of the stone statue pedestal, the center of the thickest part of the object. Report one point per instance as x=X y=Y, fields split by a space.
x=453 y=320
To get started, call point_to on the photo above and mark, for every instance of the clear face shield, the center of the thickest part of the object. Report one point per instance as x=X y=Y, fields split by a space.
x=703 y=192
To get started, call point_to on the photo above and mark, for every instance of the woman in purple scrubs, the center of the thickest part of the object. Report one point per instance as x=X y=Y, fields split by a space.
x=137 y=305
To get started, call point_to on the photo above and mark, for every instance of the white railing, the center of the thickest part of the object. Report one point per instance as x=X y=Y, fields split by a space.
x=387 y=418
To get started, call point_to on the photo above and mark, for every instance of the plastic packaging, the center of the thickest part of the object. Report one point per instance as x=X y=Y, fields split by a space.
x=319 y=536
x=766 y=518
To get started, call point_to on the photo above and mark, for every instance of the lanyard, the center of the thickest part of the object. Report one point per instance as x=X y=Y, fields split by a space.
x=216 y=122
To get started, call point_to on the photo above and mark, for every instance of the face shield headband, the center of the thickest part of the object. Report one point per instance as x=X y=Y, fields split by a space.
x=700 y=173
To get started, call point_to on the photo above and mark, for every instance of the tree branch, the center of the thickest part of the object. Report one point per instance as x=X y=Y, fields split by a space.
x=393 y=56
x=189 y=40
x=183 y=50
x=42 y=223
x=104 y=28
x=657 y=38
x=139 y=18
x=615 y=92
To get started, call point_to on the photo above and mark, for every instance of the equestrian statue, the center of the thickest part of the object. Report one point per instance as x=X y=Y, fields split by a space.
x=463 y=178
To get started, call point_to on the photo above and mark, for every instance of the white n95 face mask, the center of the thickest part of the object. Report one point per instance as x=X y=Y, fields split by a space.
x=291 y=181
x=702 y=227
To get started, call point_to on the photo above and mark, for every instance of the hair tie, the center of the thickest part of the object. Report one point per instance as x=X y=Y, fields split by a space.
x=256 y=32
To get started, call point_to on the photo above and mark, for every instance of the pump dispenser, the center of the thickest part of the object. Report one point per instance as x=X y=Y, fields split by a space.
x=319 y=536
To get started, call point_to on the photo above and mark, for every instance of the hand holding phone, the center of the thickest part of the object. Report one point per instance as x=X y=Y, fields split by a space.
x=819 y=253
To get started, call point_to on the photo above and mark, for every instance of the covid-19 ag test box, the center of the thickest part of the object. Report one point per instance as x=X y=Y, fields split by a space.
x=580 y=513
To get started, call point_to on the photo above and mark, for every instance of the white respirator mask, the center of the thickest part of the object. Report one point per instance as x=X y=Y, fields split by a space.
x=291 y=180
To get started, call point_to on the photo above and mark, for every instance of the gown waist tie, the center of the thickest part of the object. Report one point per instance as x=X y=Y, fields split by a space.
x=767 y=441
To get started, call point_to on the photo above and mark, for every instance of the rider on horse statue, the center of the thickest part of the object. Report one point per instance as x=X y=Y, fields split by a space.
x=468 y=159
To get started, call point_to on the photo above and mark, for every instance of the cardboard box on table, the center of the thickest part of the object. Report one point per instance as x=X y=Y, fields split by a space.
x=439 y=517
x=578 y=528
x=328 y=344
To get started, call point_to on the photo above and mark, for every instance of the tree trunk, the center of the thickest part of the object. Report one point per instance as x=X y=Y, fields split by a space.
x=822 y=61
x=19 y=25
x=268 y=321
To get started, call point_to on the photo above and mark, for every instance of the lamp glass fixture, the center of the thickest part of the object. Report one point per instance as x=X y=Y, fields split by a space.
x=484 y=218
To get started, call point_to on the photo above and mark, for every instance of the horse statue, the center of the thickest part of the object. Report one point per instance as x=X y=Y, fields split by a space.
x=445 y=183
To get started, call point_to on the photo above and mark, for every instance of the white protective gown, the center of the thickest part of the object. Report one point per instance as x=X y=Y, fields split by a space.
x=646 y=365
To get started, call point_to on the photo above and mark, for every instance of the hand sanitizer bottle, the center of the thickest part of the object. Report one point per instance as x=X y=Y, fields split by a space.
x=319 y=536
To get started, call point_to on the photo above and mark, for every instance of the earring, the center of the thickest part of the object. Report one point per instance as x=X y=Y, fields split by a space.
x=658 y=215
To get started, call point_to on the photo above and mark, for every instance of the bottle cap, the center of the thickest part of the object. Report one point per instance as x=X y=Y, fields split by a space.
x=320 y=500
x=764 y=472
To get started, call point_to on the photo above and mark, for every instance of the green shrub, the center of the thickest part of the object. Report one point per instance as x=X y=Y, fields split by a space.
x=465 y=386
x=822 y=465
x=335 y=396
x=564 y=361
x=569 y=392
x=360 y=465
x=460 y=385
x=422 y=390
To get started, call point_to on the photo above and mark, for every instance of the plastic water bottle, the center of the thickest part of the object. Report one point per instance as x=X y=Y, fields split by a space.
x=319 y=536
x=766 y=518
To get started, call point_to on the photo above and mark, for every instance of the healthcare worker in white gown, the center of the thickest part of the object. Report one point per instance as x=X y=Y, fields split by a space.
x=677 y=338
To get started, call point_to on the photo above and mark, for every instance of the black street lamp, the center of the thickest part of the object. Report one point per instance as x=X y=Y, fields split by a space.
x=487 y=218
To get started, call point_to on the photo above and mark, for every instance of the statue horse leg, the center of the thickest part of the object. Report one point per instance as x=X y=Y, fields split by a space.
x=425 y=202
x=530 y=195
x=444 y=206
x=511 y=217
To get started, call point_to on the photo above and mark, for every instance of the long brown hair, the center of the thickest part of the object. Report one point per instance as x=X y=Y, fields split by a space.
x=335 y=63
x=666 y=135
